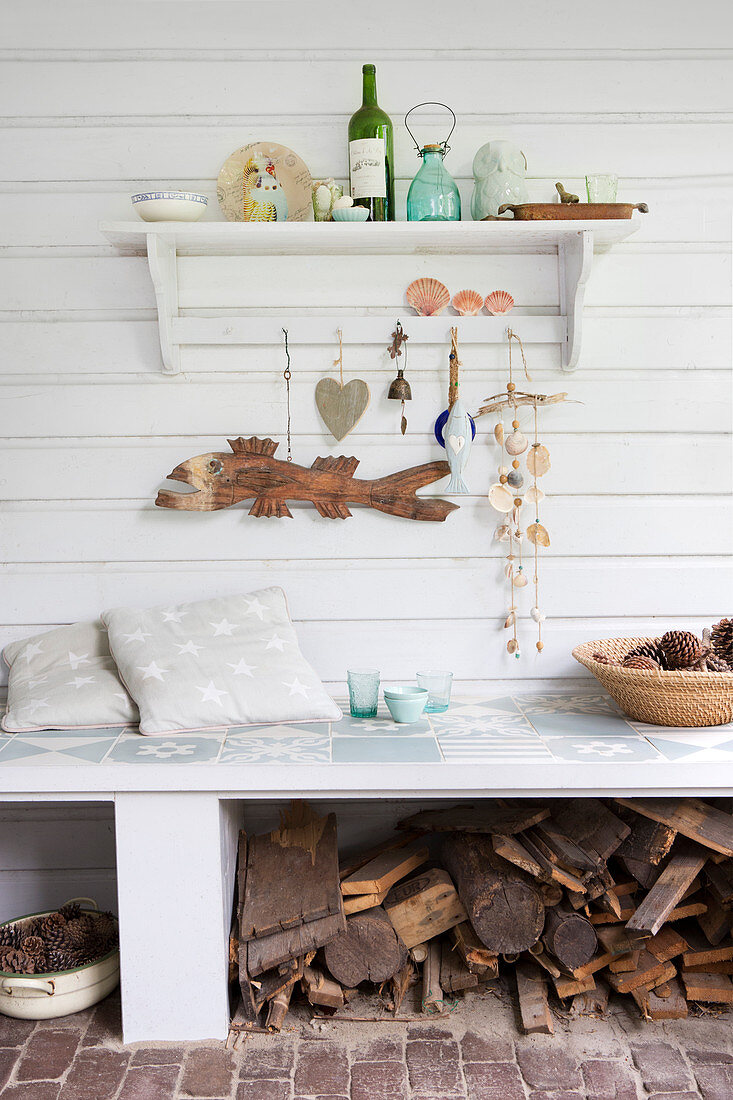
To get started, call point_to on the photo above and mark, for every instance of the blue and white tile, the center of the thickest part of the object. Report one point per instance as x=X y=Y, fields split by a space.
x=585 y=702
x=385 y=750
x=59 y=747
x=487 y=747
x=706 y=737
x=297 y=729
x=295 y=749
x=380 y=727
x=599 y=749
x=501 y=707
x=560 y=724
x=509 y=727
x=176 y=749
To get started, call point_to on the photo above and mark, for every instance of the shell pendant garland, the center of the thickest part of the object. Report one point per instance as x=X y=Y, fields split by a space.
x=516 y=487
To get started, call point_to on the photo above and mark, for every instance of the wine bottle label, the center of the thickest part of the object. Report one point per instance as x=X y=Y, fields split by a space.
x=367 y=168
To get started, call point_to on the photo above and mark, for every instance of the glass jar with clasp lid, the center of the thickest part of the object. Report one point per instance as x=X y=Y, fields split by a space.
x=433 y=194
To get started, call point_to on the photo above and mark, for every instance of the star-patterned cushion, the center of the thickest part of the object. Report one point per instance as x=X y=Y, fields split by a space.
x=65 y=679
x=223 y=662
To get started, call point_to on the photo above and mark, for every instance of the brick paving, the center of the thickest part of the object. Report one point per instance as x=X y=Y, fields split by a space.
x=474 y=1054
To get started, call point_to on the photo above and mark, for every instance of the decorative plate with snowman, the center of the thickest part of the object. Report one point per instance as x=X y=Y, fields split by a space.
x=265 y=182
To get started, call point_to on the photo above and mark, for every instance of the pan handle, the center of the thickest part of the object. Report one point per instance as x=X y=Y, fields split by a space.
x=37 y=987
x=507 y=206
x=641 y=207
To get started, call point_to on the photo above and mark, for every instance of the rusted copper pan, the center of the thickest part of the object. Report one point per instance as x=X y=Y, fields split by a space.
x=564 y=211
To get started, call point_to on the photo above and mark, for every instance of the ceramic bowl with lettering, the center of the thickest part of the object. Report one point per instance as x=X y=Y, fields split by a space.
x=169 y=206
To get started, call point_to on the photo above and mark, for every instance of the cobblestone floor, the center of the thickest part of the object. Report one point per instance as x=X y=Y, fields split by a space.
x=474 y=1054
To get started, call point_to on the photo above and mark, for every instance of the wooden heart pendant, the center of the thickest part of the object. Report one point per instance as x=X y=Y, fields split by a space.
x=341 y=407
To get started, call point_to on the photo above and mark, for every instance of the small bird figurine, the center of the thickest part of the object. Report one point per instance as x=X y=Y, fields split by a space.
x=566 y=196
x=263 y=197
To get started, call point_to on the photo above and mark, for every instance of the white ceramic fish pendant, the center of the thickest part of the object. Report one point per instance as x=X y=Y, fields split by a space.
x=458 y=440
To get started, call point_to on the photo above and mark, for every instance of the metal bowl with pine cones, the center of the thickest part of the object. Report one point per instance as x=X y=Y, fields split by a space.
x=677 y=679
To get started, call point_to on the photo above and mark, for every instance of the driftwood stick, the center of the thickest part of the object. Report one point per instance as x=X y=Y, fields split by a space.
x=503 y=401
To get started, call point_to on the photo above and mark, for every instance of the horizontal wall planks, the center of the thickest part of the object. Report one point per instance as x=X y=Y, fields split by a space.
x=476 y=650
x=350 y=590
x=66 y=531
x=666 y=340
x=55 y=216
x=613 y=401
x=220 y=26
x=603 y=465
x=89 y=148
x=318 y=86
x=38 y=889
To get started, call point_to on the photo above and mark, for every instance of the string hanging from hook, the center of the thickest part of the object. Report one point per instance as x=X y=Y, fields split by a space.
x=287 y=375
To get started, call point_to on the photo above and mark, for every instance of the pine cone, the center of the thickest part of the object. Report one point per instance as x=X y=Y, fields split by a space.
x=653 y=650
x=70 y=912
x=76 y=932
x=641 y=662
x=10 y=936
x=106 y=925
x=722 y=640
x=17 y=962
x=710 y=662
x=53 y=930
x=681 y=648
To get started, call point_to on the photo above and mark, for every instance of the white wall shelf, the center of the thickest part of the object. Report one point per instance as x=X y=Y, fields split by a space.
x=573 y=242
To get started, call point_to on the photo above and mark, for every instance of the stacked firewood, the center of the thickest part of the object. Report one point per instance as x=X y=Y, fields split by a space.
x=576 y=897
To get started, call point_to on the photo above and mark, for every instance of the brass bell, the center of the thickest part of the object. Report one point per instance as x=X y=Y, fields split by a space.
x=400 y=390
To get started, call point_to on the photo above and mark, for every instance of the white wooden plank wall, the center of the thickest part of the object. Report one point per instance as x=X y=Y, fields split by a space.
x=99 y=100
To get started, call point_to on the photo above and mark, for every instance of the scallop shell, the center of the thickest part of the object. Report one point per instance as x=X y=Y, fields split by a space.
x=468 y=303
x=427 y=297
x=500 y=497
x=498 y=302
x=516 y=443
x=510 y=620
x=499 y=433
x=538 y=460
x=537 y=534
x=534 y=495
x=519 y=580
x=515 y=479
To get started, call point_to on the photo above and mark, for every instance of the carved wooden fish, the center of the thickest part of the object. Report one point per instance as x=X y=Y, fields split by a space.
x=221 y=480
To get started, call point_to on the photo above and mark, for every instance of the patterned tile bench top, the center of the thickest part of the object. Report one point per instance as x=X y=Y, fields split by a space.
x=518 y=729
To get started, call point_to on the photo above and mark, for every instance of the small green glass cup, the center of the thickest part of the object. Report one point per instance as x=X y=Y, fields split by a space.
x=363 y=692
x=438 y=686
x=601 y=187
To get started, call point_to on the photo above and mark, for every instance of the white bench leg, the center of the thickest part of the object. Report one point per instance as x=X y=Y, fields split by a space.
x=174 y=889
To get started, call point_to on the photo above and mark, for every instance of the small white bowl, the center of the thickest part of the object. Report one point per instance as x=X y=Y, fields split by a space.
x=169 y=206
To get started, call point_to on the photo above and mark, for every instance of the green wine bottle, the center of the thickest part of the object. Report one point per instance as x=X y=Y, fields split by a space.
x=371 y=154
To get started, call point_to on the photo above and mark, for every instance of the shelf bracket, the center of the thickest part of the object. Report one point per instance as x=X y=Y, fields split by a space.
x=575 y=260
x=164 y=273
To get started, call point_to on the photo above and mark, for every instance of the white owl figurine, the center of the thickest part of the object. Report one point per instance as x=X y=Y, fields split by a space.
x=263 y=197
x=499 y=169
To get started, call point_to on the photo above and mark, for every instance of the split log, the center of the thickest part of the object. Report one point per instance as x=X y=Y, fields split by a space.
x=399 y=985
x=543 y=959
x=569 y=937
x=432 y=994
x=625 y=964
x=278 y=1009
x=613 y=938
x=363 y=901
x=274 y=981
x=490 y=817
x=477 y=958
x=716 y=922
x=591 y=826
x=352 y=863
x=454 y=974
x=724 y=967
x=667 y=944
x=369 y=950
x=695 y=819
x=666 y=892
x=654 y=1007
x=644 y=872
x=321 y=990
x=648 y=842
x=570 y=987
x=552 y=871
x=424 y=907
x=376 y=876
x=272 y=951
x=564 y=849
x=249 y=1010
x=504 y=907
x=533 y=1007
x=700 y=951
x=648 y=972
x=692 y=908
x=292 y=875
x=708 y=988
x=510 y=849
x=419 y=952
x=720 y=881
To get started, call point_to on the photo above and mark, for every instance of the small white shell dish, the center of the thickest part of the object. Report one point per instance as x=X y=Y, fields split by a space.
x=169 y=206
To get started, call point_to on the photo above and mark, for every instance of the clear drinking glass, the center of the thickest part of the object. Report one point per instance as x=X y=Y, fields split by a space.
x=363 y=692
x=438 y=685
x=601 y=187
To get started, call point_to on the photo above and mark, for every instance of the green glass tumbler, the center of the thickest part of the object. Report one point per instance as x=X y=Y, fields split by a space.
x=363 y=692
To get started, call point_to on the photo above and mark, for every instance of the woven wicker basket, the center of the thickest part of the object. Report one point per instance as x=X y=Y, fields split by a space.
x=660 y=698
